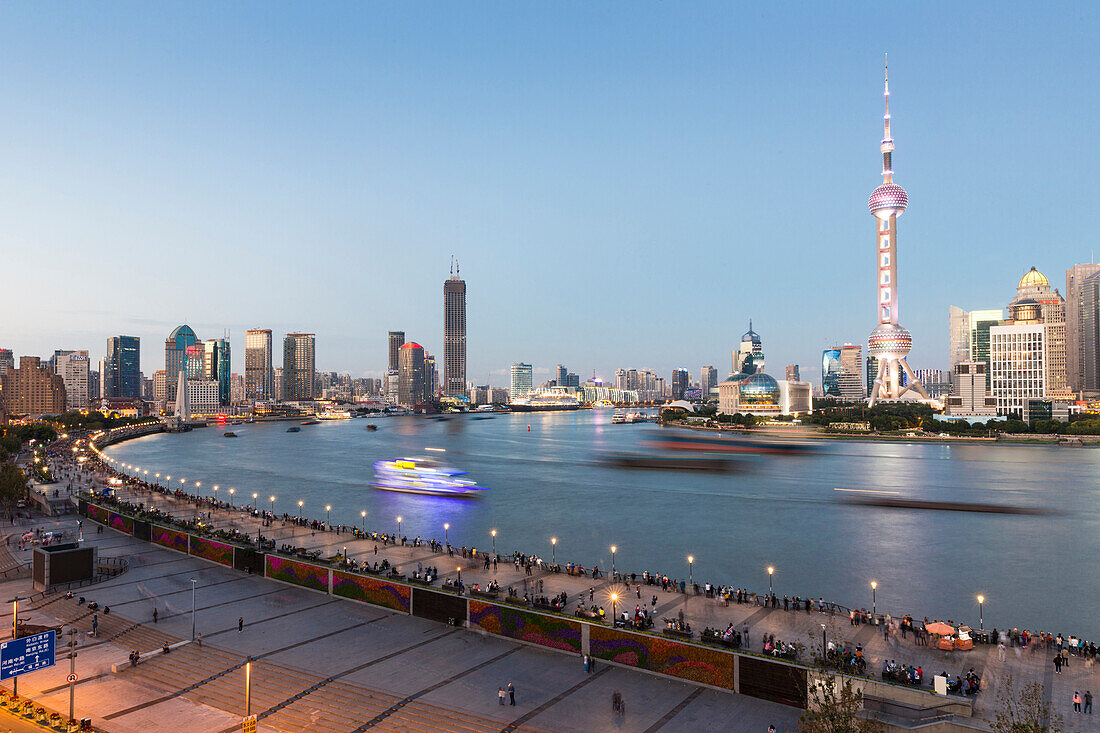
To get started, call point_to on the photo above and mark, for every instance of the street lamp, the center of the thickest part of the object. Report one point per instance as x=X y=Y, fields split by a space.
x=247 y=688
x=231 y=492
x=691 y=570
x=255 y=500
x=328 y=514
x=363 y=515
x=771 y=572
x=554 y=550
x=72 y=671
x=614 y=598
x=193 y=584
x=613 y=551
x=494 y=534
x=459 y=568
x=981 y=619
x=874 y=588
x=272 y=506
x=824 y=649
x=398 y=528
x=300 y=503
x=446 y=532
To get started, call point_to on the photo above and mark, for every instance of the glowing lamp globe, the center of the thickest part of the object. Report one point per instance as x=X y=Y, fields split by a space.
x=888 y=200
x=889 y=340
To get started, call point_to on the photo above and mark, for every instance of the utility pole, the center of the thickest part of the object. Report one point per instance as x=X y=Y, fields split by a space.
x=72 y=671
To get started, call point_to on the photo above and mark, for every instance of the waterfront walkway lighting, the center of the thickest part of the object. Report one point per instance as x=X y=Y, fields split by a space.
x=248 y=687
x=273 y=505
x=363 y=514
x=446 y=532
x=771 y=572
x=554 y=550
x=328 y=514
x=613 y=551
x=691 y=569
x=981 y=619
x=614 y=599
x=255 y=499
x=493 y=532
x=874 y=588
x=398 y=528
x=231 y=492
x=300 y=503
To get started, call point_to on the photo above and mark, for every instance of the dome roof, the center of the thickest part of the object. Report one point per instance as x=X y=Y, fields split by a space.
x=887 y=199
x=889 y=339
x=412 y=345
x=183 y=336
x=1034 y=279
x=759 y=389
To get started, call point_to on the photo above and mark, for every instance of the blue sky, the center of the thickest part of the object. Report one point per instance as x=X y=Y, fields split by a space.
x=624 y=184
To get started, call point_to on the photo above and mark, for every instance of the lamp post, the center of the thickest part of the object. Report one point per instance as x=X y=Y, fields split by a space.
x=874 y=608
x=273 y=506
x=771 y=572
x=14 y=629
x=824 y=649
x=459 y=569
x=215 y=493
x=981 y=619
x=614 y=598
x=247 y=688
x=328 y=515
x=255 y=500
x=300 y=503
x=613 y=551
x=363 y=516
x=494 y=534
x=193 y=584
x=691 y=570
x=72 y=671
x=446 y=532
x=398 y=528
x=231 y=492
x=554 y=550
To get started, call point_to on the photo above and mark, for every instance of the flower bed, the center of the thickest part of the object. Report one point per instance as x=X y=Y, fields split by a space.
x=371 y=590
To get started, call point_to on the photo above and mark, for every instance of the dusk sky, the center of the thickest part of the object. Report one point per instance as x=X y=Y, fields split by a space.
x=624 y=184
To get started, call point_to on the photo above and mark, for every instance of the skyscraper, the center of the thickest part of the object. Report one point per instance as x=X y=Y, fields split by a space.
x=299 y=366
x=679 y=383
x=749 y=356
x=792 y=373
x=708 y=380
x=454 y=334
x=175 y=357
x=72 y=367
x=259 y=377
x=830 y=372
x=1075 y=276
x=396 y=341
x=890 y=341
x=410 y=363
x=969 y=337
x=561 y=375
x=32 y=389
x=216 y=367
x=1088 y=333
x=1034 y=286
x=522 y=380
x=7 y=360
x=851 y=372
x=1018 y=353
x=121 y=374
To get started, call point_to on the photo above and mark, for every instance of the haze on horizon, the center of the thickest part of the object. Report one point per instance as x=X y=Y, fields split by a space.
x=623 y=184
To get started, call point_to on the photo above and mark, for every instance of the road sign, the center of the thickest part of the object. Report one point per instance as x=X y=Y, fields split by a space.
x=72 y=677
x=250 y=724
x=20 y=656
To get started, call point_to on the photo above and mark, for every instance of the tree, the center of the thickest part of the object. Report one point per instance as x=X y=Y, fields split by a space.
x=13 y=484
x=1025 y=711
x=834 y=707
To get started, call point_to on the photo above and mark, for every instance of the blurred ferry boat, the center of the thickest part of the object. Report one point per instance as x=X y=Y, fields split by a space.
x=545 y=402
x=334 y=415
x=422 y=476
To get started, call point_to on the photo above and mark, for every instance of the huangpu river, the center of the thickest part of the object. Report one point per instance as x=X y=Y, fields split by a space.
x=1035 y=571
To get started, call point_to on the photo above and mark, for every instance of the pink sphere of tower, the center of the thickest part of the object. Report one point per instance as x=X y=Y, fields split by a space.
x=888 y=199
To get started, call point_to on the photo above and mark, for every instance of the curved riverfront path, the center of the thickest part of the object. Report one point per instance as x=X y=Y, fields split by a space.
x=1031 y=663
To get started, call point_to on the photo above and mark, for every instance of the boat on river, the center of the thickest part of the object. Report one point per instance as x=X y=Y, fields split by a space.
x=423 y=475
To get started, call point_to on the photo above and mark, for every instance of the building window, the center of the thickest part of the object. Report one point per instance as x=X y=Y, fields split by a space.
x=885 y=295
x=885 y=243
x=885 y=259
x=885 y=280
x=885 y=313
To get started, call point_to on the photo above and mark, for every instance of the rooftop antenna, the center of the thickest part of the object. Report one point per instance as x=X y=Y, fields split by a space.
x=452 y=264
x=457 y=270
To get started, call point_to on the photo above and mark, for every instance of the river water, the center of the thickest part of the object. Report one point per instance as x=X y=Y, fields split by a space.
x=1037 y=572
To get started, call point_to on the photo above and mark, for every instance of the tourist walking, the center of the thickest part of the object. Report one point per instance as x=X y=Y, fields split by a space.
x=154 y=615
x=511 y=694
x=1076 y=701
x=240 y=624
x=1088 y=702
x=1057 y=664
x=500 y=696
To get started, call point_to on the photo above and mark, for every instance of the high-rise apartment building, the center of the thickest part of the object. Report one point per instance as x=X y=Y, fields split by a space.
x=792 y=373
x=522 y=380
x=277 y=384
x=454 y=334
x=851 y=372
x=259 y=375
x=679 y=383
x=1087 y=297
x=1075 y=316
x=396 y=341
x=121 y=373
x=160 y=388
x=299 y=367
x=7 y=360
x=431 y=377
x=32 y=389
x=411 y=389
x=176 y=357
x=936 y=381
x=216 y=367
x=73 y=368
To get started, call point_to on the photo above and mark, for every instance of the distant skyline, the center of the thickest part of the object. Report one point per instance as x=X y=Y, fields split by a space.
x=625 y=185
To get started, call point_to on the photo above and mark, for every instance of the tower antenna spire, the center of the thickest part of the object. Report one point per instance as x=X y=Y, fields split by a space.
x=887 y=141
x=452 y=264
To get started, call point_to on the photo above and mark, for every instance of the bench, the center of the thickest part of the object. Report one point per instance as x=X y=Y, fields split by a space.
x=491 y=594
x=115 y=668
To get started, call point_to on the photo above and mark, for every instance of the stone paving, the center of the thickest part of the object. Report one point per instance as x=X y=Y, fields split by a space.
x=325 y=664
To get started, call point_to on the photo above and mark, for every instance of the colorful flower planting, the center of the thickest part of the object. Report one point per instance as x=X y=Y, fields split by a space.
x=705 y=666
x=371 y=590
x=534 y=628
x=298 y=573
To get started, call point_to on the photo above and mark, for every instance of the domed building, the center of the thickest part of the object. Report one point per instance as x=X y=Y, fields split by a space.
x=762 y=395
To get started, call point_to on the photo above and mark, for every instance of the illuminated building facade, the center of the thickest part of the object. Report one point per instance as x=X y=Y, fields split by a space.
x=890 y=342
x=299 y=367
x=454 y=334
x=259 y=376
x=175 y=357
x=522 y=380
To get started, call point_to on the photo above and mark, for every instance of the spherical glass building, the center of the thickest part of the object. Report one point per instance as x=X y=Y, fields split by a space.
x=759 y=391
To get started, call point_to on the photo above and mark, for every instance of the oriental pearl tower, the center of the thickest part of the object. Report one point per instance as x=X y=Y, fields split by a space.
x=890 y=341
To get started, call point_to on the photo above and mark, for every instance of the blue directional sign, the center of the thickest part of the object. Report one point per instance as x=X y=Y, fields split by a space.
x=28 y=654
